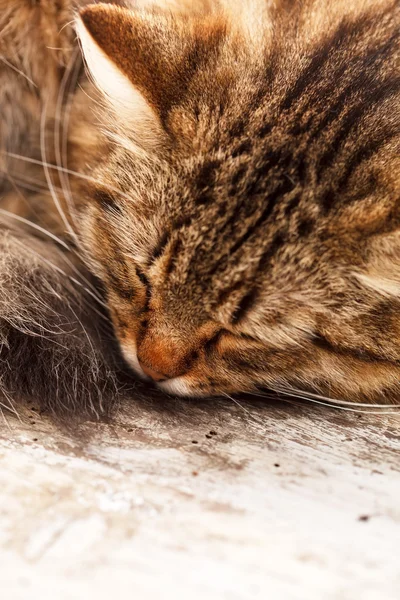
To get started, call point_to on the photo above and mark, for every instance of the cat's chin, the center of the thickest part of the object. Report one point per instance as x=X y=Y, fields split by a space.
x=179 y=387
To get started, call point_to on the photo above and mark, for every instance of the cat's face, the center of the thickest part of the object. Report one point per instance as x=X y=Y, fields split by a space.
x=224 y=266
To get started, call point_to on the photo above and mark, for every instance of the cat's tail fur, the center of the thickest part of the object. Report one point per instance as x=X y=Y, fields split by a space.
x=54 y=341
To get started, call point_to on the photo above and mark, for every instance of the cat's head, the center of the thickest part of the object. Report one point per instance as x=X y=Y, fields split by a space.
x=218 y=224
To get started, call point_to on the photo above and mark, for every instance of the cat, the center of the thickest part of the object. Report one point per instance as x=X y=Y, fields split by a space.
x=230 y=179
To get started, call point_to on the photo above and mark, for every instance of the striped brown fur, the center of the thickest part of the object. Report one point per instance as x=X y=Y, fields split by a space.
x=243 y=211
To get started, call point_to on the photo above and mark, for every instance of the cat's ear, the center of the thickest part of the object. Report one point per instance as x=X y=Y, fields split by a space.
x=106 y=34
x=143 y=61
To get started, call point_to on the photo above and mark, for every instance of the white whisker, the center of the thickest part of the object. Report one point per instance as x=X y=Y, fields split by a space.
x=62 y=272
x=335 y=404
x=34 y=226
x=95 y=102
x=245 y=410
x=14 y=68
x=17 y=183
x=69 y=24
x=16 y=189
x=69 y=171
x=23 y=180
x=61 y=149
x=341 y=402
x=10 y=407
x=48 y=176
x=61 y=243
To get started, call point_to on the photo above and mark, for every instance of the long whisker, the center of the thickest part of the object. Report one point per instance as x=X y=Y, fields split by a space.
x=10 y=407
x=69 y=171
x=25 y=185
x=70 y=23
x=14 y=68
x=23 y=178
x=48 y=176
x=60 y=147
x=34 y=226
x=341 y=402
x=62 y=272
x=72 y=249
x=16 y=188
x=95 y=102
x=26 y=181
x=245 y=410
x=58 y=241
x=327 y=402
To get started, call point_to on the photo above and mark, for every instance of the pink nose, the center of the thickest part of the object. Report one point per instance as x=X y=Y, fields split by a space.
x=154 y=375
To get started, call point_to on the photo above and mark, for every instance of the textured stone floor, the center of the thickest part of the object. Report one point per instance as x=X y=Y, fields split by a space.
x=267 y=502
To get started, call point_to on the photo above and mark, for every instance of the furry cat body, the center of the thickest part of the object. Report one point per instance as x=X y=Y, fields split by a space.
x=238 y=190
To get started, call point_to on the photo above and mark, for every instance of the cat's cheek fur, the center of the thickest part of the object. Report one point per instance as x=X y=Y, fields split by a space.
x=126 y=335
x=129 y=352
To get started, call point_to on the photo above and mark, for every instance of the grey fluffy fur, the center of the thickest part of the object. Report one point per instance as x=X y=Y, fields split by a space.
x=51 y=347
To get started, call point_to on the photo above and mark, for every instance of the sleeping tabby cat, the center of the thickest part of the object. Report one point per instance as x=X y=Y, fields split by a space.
x=225 y=179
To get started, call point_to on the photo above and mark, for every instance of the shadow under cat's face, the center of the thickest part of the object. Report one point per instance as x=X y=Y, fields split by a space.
x=231 y=252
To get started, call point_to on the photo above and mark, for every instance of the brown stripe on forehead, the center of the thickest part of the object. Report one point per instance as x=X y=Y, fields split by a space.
x=283 y=188
x=305 y=227
x=355 y=116
x=279 y=188
x=205 y=180
x=338 y=190
x=361 y=75
x=161 y=245
x=369 y=76
x=277 y=243
x=224 y=294
x=205 y=41
x=245 y=305
x=329 y=52
x=369 y=87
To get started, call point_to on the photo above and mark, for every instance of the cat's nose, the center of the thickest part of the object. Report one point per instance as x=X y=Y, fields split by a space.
x=154 y=375
x=162 y=358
